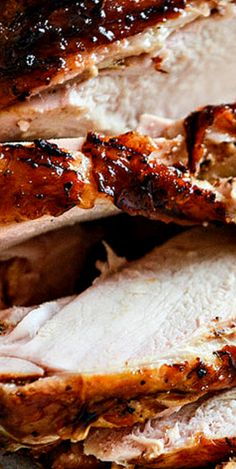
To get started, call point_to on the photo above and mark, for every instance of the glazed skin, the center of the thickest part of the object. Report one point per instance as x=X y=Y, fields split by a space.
x=42 y=42
x=37 y=180
x=185 y=176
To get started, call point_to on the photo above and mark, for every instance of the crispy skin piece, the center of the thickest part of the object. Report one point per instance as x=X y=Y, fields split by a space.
x=184 y=186
x=220 y=118
x=122 y=170
x=43 y=41
x=38 y=180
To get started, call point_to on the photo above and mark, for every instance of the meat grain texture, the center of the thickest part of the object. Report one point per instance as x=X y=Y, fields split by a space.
x=72 y=68
x=58 y=382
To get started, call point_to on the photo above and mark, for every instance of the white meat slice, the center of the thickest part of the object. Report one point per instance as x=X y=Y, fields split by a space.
x=166 y=71
x=195 y=436
x=144 y=339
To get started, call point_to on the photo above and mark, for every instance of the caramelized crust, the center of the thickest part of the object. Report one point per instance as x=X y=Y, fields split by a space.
x=219 y=118
x=37 y=180
x=130 y=169
x=64 y=407
x=41 y=40
x=139 y=186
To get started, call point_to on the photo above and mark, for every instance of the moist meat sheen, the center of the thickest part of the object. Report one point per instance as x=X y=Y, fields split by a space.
x=109 y=87
x=42 y=39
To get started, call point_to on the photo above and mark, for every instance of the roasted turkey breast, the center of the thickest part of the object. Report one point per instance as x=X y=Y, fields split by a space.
x=165 y=58
x=144 y=340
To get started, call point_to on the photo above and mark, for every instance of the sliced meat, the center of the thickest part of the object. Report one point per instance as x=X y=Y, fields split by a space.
x=178 y=75
x=44 y=45
x=16 y=233
x=198 y=434
x=46 y=267
x=186 y=174
x=132 y=346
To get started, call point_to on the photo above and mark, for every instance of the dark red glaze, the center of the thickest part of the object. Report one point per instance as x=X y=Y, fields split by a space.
x=36 y=181
x=199 y=123
x=122 y=170
x=40 y=39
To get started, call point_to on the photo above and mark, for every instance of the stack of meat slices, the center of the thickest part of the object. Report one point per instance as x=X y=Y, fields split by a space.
x=110 y=106
x=140 y=367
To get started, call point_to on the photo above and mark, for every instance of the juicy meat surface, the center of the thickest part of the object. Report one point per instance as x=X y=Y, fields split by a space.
x=112 y=99
x=44 y=44
x=196 y=435
x=186 y=174
x=132 y=346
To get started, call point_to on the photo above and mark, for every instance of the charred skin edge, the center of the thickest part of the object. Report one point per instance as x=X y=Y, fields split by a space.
x=43 y=39
x=198 y=123
x=39 y=180
x=64 y=407
x=121 y=170
x=42 y=179
x=203 y=453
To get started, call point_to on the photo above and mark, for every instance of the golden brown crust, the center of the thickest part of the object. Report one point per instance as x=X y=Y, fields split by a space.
x=37 y=180
x=41 y=40
x=49 y=410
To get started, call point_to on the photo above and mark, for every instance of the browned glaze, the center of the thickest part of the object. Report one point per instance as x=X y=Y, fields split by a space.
x=40 y=39
x=221 y=119
x=43 y=179
x=122 y=170
x=36 y=180
x=63 y=407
